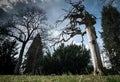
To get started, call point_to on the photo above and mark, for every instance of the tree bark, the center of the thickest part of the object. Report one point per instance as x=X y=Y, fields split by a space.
x=17 y=67
x=94 y=49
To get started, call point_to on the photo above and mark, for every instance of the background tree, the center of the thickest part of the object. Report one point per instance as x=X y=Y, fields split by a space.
x=68 y=59
x=7 y=56
x=34 y=57
x=111 y=34
x=47 y=63
x=25 y=22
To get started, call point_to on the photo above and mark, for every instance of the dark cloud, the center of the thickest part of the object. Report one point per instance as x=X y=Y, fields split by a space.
x=3 y=16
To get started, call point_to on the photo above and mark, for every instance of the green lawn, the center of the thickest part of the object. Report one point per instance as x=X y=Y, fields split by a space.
x=62 y=78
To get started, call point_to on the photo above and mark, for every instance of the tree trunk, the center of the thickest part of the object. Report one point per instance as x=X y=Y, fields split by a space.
x=17 y=67
x=94 y=49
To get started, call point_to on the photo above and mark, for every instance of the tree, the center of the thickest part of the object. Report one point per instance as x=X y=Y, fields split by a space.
x=7 y=57
x=67 y=59
x=78 y=16
x=111 y=34
x=34 y=57
x=47 y=63
x=71 y=59
x=24 y=24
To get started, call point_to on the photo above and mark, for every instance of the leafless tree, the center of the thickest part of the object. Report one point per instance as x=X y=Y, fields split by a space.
x=78 y=16
x=24 y=25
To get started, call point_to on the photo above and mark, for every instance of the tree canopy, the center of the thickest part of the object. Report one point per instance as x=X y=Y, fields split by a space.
x=111 y=34
x=67 y=59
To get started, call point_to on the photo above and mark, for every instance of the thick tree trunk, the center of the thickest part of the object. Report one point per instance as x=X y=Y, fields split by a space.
x=17 y=67
x=94 y=49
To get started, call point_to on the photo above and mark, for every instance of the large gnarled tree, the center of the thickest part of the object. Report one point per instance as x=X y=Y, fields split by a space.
x=77 y=17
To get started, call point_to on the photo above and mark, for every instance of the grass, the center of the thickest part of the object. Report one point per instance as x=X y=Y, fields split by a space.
x=62 y=78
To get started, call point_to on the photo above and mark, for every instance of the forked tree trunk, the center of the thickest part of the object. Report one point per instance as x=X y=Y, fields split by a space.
x=94 y=49
x=17 y=67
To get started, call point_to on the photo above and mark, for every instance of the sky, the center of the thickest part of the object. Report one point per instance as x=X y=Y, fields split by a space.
x=54 y=11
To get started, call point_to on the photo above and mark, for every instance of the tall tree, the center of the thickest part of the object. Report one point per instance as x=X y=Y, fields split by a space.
x=33 y=63
x=111 y=34
x=25 y=22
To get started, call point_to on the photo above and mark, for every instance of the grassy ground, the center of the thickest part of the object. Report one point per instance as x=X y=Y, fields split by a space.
x=63 y=78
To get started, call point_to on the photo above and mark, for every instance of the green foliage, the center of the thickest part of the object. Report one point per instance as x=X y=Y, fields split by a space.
x=111 y=34
x=34 y=57
x=71 y=59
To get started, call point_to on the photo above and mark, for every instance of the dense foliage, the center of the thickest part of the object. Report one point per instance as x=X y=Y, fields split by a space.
x=71 y=59
x=34 y=57
x=7 y=57
x=111 y=35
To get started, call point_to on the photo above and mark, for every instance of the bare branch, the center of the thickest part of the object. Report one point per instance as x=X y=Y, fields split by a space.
x=12 y=35
x=21 y=32
x=76 y=16
x=70 y=34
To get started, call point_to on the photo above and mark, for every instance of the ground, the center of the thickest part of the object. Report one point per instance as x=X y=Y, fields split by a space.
x=62 y=78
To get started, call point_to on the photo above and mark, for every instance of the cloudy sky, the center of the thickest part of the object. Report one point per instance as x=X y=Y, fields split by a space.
x=54 y=11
